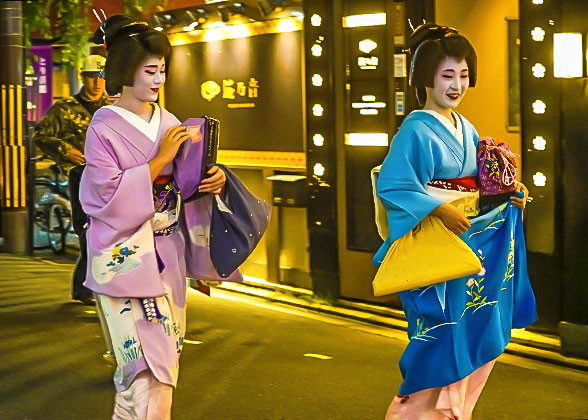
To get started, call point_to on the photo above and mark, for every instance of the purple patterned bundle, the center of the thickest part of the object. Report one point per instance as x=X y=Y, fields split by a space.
x=497 y=168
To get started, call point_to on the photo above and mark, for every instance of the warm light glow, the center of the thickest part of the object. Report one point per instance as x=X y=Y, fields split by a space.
x=368 y=105
x=317 y=50
x=190 y=27
x=158 y=28
x=538 y=70
x=367 y=46
x=319 y=170
x=539 y=107
x=180 y=39
x=538 y=34
x=368 y=111
x=537 y=1
x=364 y=20
x=287 y=25
x=317 y=110
x=317 y=80
x=539 y=179
x=368 y=98
x=539 y=143
x=239 y=31
x=214 y=34
x=567 y=55
x=366 y=139
x=318 y=140
x=315 y=20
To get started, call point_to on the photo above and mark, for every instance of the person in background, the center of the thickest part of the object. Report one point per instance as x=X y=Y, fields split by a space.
x=61 y=134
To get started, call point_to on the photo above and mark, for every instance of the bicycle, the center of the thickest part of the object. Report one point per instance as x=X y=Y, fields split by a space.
x=52 y=211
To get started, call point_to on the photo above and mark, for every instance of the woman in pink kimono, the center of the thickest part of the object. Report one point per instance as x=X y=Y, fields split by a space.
x=136 y=264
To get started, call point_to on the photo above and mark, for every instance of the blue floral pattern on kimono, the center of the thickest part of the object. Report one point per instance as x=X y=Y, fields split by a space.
x=459 y=325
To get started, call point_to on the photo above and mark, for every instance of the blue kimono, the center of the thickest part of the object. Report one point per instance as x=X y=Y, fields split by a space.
x=456 y=326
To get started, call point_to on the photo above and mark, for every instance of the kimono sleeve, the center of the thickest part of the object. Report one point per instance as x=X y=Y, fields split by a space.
x=119 y=198
x=410 y=164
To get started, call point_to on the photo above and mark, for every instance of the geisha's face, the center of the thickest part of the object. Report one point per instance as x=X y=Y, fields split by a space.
x=451 y=83
x=149 y=78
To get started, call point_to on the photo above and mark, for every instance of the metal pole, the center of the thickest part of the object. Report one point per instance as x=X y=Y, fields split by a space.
x=13 y=206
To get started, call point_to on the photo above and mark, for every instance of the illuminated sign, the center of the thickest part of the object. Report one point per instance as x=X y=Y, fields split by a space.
x=367 y=63
x=367 y=46
x=567 y=55
x=230 y=90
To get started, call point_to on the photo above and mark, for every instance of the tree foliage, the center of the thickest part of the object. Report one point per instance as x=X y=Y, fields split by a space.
x=68 y=22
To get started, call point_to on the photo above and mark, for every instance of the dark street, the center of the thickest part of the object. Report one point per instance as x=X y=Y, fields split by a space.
x=244 y=358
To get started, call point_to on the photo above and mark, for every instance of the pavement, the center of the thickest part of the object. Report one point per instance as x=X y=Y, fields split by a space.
x=253 y=351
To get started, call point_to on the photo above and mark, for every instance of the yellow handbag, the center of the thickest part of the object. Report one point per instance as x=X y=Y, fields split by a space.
x=428 y=254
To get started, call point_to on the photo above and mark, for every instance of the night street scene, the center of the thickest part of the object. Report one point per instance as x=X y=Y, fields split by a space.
x=289 y=209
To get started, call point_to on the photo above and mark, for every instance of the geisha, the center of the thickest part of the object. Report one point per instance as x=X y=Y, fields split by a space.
x=457 y=328
x=136 y=247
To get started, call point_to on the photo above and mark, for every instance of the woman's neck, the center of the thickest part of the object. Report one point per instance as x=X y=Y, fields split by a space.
x=446 y=112
x=142 y=108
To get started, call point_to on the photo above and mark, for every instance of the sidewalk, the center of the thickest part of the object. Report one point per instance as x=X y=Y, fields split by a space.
x=22 y=278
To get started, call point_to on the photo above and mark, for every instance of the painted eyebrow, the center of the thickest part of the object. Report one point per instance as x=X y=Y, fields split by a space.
x=154 y=66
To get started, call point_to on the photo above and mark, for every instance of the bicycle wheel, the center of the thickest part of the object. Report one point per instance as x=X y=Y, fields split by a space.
x=43 y=195
x=55 y=228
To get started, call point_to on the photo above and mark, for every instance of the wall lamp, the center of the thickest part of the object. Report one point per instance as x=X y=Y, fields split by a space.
x=236 y=8
x=567 y=55
x=195 y=18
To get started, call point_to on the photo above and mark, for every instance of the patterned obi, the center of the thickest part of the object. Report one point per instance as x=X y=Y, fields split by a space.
x=460 y=192
x=166 y=201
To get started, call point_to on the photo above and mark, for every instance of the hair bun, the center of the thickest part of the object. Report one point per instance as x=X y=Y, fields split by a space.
x=115 y=26
x=428 y=31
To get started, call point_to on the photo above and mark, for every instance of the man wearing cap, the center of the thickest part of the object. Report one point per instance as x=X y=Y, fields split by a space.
x=61 y=134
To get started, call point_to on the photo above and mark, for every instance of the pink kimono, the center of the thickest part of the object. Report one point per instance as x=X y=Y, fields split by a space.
x=138 y=237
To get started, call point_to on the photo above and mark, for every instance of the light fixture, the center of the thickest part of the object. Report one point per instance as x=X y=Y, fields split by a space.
x=539 y=107
x=236 y=8
x=319 y=170
x=163 y=21
x=539 y=179
x=538 y=70
x=317 y=110
x=287 y=25
x=318 y=140
x=538 y=34
x=366 y=139
x=539 y=143
x=373 y=19
x=367 y=46
x=317 y=80
x=368 y=98
x=368 y=111
x=357 y=105
x=537 y=1
x=567 y=55
x=315 y=20
x=317 y=50
x=268 y=6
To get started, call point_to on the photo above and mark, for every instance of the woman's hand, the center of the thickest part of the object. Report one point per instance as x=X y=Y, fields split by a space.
x=168 y=149
x=452 y=218
x=214 y=183
x=520 y=202
x=171 y=142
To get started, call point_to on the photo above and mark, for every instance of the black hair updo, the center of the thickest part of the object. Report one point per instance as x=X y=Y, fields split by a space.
x=128 y=44
x=429 y=45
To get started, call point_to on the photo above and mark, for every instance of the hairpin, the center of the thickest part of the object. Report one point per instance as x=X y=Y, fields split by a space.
x=410 y=24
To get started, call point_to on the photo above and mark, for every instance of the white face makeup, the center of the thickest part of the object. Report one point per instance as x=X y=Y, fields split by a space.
x=149 y=78
x=451 y=83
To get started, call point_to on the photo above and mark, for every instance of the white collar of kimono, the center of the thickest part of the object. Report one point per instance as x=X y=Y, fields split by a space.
x=150 y=129
x=456 y=131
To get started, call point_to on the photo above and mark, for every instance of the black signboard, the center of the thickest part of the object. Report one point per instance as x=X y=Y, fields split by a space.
x=253 y=85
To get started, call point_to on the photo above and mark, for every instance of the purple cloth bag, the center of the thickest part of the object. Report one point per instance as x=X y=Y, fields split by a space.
x=497 y=168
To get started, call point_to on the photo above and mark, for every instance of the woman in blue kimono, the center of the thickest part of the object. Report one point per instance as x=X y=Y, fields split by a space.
x=458 y=328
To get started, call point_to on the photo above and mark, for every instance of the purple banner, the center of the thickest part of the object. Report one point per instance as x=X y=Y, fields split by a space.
x=41 y=96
